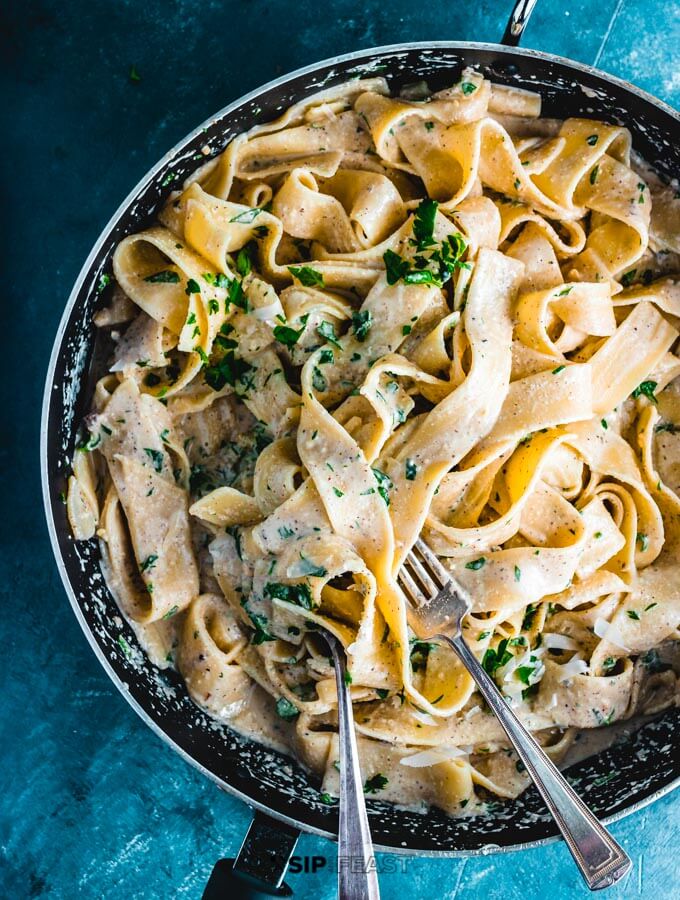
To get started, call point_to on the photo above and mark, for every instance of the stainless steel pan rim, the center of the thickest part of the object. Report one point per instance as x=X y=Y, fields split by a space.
x=86 y=271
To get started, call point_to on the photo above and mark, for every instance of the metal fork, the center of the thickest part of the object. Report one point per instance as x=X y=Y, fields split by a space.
x=357 y=877
x=437 y=607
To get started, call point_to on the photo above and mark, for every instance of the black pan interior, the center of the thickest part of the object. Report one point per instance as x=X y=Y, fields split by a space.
x=627 y=775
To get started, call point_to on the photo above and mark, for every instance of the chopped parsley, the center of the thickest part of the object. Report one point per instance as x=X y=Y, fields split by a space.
x=593 y=174
x=442 y=260
x=524 y=673
x=299 y=594
x=193 y=287
x=643 y=541
x=156 y=457
x=260 y=625
x=149 y=562
x=104 y=281
x=632 y=614
x=646 y=388
x=384 y=484
x=495 y=658
x=327 y=332
x=374 y=784
x=592 y=139
x=166 y=276
x=230 y=369
x=307 y=567
x=243 y=262
x=93 y=441
x=628 y=277
x=467 y=87
x=247 y=216
x=361 y=322
x=217 y=279
x=420 y=652
x=423 y=224
x=518 y=573
x=411 y=470
x=475 y=564
x=529 y=616
x=286 y=710
x=558 y=370
x=318 y=380
x=284 y=334
x=307 y=276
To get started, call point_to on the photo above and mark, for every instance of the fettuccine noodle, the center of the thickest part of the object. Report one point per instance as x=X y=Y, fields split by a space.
x=371 y=319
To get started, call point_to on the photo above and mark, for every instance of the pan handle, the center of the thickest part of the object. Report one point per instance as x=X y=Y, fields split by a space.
x=519 y=17
x=260 y=865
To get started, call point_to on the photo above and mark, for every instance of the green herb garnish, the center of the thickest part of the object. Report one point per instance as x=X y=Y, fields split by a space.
x=286 y=710
x=374 y=784
x=299 y=594
x=166 y=276
x=495 y=658
x=361 y=322
x=327 y=332
x=156 y=457
x=384 y=484
x=247 y=216
x=149 y=563
x=646 y=388
x=284 y=334
x=307 y=276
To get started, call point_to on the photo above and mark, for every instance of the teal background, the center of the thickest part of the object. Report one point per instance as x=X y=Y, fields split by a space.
x=92 y=804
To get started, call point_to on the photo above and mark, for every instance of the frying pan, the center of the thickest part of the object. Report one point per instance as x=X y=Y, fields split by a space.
x=615 y=782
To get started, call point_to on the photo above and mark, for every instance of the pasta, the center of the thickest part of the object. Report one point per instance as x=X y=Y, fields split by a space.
x=378 y=317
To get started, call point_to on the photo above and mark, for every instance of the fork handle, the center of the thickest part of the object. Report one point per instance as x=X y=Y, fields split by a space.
x=357 y=875
x=600 y=859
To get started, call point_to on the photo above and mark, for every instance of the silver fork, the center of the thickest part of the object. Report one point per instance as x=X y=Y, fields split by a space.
x=357 y=877
x=437 y=607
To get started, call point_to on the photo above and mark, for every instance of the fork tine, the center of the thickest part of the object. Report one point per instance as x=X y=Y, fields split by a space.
x=420 y=574
x=411 y=589
x=437 y=570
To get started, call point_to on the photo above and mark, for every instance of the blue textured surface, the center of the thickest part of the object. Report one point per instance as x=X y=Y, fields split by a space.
x=93 y=804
